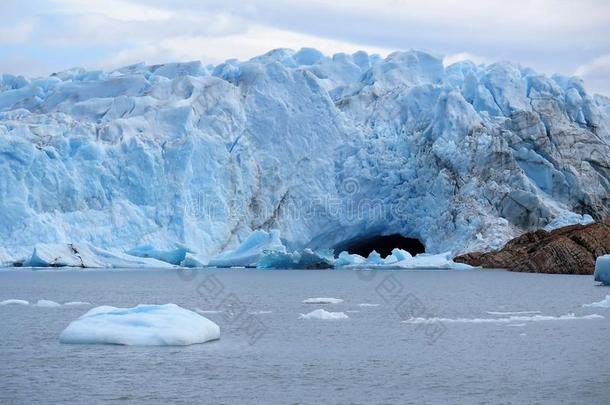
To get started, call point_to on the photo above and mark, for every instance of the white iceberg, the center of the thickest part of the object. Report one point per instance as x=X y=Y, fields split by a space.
x=605 y=303
x=86 y=255
x=251 y=250
x=143 y=325
x=14 y=302
x=366 y=304
x=47 y=304
x=325 y=315
x=602 y=269
x=322 y=301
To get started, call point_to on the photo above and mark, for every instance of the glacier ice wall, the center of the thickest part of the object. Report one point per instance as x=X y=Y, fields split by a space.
x=325 y=149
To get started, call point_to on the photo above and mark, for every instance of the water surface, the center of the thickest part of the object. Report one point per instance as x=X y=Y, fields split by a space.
x=372 y=357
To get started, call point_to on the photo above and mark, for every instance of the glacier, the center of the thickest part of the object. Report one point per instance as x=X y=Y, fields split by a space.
x=153 y=159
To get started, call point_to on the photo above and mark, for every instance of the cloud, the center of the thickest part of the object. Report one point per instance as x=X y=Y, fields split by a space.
x=256 y=40
x=17 y=33
x=596 y=74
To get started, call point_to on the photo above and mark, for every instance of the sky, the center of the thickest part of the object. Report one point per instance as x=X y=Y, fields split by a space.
x=569 y=37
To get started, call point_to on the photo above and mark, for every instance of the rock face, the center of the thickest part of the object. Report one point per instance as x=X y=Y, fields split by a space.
x=325 y=149
x=568 y=250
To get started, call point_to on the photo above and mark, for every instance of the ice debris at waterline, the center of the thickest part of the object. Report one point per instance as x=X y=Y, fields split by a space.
x=605 y=303
x=14 y=302
x=305 y=259
x=463 y=157
x=251 y=250
x=87 y=255
x=143 y=325
x=47 y=304
x=514 y=318
x=602 y=269
x=324 y=315
x=322 y=301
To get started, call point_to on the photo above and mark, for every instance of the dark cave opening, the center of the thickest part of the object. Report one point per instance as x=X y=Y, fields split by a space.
x=384 y=245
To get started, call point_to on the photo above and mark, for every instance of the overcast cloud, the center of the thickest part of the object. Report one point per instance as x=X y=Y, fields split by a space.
x=552 y=36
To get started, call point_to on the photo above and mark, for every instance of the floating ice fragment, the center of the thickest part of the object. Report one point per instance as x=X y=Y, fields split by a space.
x=325 y=315
x=534 y=318
x=47 y=304
x=365 y=304
x=322 y=301
x=76 y=303
x=14 y=302
x=512 y=312
x=605 y=303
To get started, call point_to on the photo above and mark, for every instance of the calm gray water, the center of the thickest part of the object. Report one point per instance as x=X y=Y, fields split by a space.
x=369 y=358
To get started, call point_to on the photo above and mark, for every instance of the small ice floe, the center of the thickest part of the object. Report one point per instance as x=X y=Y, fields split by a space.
x=203 y=311
x=352 y=311
x=516 y=325
x=48 y=304
x=143 y=325
x=515 y=318
x=325 y=315
x=365 y=304
x=322 y=301
x=76 y=304
x=513 y=312
x=605 y=303
x=261 y=312
x=14 y=302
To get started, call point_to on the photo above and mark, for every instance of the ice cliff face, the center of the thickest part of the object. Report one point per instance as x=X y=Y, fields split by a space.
x=327 y=150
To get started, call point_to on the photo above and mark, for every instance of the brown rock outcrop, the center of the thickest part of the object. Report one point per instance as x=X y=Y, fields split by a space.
x=568 y=250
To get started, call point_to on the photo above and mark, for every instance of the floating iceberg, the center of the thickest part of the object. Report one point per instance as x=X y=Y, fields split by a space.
x=602 y=269
x=305 y=259
x=143 y=325
x=322 y=301
x=366 y=304
x=251 y=250
x=14 y=302
x=605 y=303
x=86 y=255
x=47 y=304
x=325 y=315
x=514 y=318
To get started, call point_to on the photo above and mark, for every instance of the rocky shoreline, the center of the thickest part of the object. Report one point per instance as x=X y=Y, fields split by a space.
x=568 y=250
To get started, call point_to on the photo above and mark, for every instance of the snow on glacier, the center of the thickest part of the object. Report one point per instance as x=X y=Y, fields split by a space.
x=143 y=325
x=324 y=149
